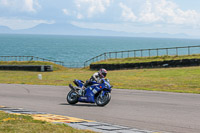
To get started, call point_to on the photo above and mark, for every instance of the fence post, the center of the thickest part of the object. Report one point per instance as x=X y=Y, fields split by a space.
x=167 y=51
x=134 y=53
x=128 y=54
x=188 y=50
x=157 y=51
x=149 y=52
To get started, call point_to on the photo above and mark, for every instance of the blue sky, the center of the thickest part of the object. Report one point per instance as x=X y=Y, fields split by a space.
x=138 y=16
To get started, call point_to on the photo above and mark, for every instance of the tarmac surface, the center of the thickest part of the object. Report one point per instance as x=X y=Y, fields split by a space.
x=134 y=109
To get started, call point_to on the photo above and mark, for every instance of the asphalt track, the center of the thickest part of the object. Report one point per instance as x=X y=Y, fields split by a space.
x=145 y=110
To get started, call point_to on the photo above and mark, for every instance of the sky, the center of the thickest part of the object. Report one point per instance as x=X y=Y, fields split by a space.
x=137 y=16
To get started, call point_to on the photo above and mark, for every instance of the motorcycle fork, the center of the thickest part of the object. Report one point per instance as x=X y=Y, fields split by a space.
x=102 y=94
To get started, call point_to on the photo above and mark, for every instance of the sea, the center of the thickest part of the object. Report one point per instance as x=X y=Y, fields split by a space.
x=78 y=49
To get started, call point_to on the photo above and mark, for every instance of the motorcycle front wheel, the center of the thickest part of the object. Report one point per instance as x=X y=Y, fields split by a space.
x=72 y=97
x=103 y=100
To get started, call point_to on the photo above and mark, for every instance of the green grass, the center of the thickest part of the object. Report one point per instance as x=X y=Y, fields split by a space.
x=10 y=123
x=147 y=59
x=171 y=79
x=185 y=79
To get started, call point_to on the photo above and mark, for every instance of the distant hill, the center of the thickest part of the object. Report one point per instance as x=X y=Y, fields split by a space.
x=69 y=29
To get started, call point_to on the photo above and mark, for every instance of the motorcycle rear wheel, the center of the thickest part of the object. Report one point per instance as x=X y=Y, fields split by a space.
x=102 y=101
x=72 y=97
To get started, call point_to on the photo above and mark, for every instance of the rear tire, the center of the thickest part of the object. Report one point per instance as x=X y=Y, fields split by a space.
x=104 y=100
x=72 y=97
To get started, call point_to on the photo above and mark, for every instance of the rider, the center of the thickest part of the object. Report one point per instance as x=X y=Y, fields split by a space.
x=95 y=77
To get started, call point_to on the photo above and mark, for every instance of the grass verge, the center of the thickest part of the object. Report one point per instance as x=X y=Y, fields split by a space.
x=185 y=79
x=147 y=59
x=26 y=124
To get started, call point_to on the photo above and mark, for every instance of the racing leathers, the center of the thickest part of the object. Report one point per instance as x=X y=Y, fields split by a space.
x=95 y=77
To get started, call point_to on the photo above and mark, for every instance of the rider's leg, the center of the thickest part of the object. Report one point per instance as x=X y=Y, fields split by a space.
x=82 y=90
x=85 y=85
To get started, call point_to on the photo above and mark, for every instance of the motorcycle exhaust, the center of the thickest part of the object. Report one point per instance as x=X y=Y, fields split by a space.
x=71 y=87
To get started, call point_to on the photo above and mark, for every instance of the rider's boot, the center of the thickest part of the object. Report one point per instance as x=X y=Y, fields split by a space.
x=81 y=91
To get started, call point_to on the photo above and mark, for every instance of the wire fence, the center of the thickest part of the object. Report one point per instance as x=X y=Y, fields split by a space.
x=28 y=58
x=33 y=58
x=187 y=50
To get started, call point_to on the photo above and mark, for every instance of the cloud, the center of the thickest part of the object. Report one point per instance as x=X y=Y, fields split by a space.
x=148 y=13
x=161 y=12
x=79 y=16
x=165 y=11
x=16 y=24
x=91 y=7
x=20 y=5
x=66 y=12
x=4 y=2
x=127 y=13
x=148 y=16
x=29 y=5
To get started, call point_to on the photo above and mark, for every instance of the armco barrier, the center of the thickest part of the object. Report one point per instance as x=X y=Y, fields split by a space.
x=155 y=64
x=41 y=68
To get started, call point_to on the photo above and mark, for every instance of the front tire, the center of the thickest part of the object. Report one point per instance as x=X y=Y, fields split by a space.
x=72 y=97
x=102 y=101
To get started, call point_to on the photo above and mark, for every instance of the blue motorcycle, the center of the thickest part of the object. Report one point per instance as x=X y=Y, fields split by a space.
x=99 y=93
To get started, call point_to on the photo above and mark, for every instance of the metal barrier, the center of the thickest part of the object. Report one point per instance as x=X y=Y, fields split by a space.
x=33 y=58
x=28 y=58
x=187 y=50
